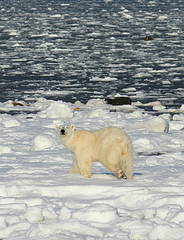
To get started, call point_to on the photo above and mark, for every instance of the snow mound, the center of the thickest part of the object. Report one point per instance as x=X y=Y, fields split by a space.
x=178 y=117
x=144 y=144
x=11 y=123
x=34 y=214
x=59 y=110
x=101 y=213
x=155 y=124
x=98 y=113
x=166 y=232
x=4 y=149
x=42 y=142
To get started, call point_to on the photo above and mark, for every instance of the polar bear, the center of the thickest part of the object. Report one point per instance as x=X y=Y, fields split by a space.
x=110 y=145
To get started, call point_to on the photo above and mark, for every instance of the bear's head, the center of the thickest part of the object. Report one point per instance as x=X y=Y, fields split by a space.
x=64 y=131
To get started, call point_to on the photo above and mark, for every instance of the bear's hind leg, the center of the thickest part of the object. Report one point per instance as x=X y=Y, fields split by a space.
x=115 y=169
x=127 y=165
x=120 y=174
x=120 y=166
x=124 y=171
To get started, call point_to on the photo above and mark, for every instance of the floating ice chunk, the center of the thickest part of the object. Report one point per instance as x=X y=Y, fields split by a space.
x=140 y=94
x=159 y=108
x=166 y=82
x=178 y=117
x=142 y=75
x=42 y=142
x=130 y=89
x=181 y=108
x=101 y=213
x=126 y=15
x=155 y=103
x=11 y=123
x=106 y=79
x=34 y=214
x=57 y=16
x=160 y=18
x=53 y=36
x=13 y=32
x=5 y=66
x=59 y=110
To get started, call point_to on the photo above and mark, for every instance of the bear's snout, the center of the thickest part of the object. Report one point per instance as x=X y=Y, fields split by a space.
x=62 y=132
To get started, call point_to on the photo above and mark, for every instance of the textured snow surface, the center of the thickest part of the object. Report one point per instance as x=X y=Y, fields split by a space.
x=40 y=200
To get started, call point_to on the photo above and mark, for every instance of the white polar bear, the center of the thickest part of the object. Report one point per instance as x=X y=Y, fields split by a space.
x=111 y=146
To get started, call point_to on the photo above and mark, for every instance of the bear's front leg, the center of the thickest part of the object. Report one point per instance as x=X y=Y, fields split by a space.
x=85 y=167
x=74 y=168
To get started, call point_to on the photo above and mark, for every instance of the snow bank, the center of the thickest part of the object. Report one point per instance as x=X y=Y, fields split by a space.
x=58 y=110
x=42 y=142
x=11 y=123
x=34 y=214
x=41 y=200
x=156 y=124
x=101 y=213
x=5 y=149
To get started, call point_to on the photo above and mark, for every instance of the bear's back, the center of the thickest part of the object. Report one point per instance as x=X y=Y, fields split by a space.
x=108 y=135
x=111 y=132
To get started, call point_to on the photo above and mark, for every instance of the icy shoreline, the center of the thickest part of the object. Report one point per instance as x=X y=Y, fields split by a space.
x=41 y=200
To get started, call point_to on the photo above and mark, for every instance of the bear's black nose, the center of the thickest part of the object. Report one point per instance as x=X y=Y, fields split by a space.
x=62 y=132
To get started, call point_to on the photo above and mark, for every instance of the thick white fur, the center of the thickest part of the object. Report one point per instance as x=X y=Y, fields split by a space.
x=111 y=146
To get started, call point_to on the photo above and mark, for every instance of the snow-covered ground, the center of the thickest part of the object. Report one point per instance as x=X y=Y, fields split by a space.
x=39 y=199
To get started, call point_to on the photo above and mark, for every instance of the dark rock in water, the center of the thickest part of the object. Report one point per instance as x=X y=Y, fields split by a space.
x=118 y=101
x=27 y=118
x=17 y=104
x=148 y=38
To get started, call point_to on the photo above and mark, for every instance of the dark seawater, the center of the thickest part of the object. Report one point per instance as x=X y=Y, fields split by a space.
x=78 y=50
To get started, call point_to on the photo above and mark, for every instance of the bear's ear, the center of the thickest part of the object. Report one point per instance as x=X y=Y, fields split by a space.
x=73 y=126
x=56 y=127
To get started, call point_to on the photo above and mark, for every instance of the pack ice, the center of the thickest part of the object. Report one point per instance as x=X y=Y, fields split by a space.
x=41 y=200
